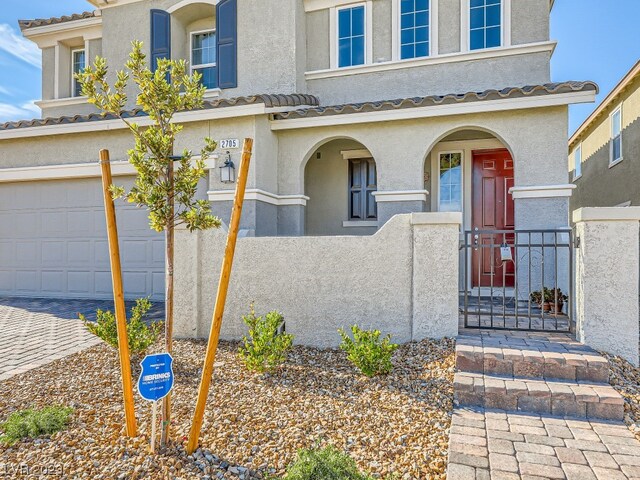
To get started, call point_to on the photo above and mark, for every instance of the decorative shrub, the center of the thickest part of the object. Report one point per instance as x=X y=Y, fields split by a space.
x=139 y=334
x=32 y=423
x=324 y=464
x=367 y=351
x=267 y=345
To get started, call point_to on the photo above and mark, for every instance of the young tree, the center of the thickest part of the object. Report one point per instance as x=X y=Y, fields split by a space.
x=167 y=190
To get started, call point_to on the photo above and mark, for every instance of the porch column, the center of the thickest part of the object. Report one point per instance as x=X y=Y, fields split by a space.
x=607 y=271
x=394 y=202
x=436 y=237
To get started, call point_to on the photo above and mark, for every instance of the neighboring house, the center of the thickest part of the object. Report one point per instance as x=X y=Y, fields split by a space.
x=604 y=153
x=360 y=110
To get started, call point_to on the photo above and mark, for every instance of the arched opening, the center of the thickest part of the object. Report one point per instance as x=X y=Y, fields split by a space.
x=340 y=180
x=193 y=37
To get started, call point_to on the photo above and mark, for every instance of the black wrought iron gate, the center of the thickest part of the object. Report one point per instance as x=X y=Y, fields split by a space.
x=520 y=280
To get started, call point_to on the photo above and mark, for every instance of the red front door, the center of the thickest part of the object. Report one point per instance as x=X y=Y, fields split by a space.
x=492 y=209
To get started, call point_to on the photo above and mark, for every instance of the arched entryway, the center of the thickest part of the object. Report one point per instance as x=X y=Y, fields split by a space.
x=340 y=179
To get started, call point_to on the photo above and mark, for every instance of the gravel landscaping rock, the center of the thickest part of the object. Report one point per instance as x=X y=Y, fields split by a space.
x=626 y=379
x=254 y=424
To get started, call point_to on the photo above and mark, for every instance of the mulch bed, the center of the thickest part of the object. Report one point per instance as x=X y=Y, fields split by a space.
x=254 y=424
x=626 y=379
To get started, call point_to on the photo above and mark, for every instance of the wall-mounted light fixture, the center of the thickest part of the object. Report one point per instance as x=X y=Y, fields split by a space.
x=228 y=170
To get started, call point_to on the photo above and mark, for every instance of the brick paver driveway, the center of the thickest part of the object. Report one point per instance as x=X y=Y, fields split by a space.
x=34 y=332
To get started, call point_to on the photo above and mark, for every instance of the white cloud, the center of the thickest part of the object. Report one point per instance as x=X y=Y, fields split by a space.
x=19 y=47
x=26 y=111
x=4 y=91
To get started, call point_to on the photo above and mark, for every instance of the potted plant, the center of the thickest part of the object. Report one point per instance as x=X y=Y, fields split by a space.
x=556 y=300
x=536 y=298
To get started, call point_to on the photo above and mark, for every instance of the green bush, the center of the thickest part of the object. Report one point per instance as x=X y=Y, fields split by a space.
x=367 y=351
x=140 y=334
x=267 y=345
x=33 y=423
x=324 y=464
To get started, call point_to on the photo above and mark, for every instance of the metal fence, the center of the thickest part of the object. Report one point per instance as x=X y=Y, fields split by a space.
x=520 y=279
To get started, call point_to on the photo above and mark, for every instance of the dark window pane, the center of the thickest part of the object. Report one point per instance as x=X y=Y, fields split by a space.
x=422 y=34
x=344 y=23
x=407 y=20
x=357 y=21
x=422 y=5
x=407 y=6
x=209 y=76
x=477 y=39
x=493 y=16
x=344 y=53
x=422 y=49
x=357 y=51
x=493 y=37
x=477 y=18
x=407 y=51
x=422 y=19
x=617 y=148
x=407 y=36
x=477 y=3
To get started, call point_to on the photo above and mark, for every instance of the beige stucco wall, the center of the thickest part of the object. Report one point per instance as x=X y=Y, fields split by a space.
x=529 y=21
x=323 y=283
x=607 y=279
x=48 y=69
x=400 y=148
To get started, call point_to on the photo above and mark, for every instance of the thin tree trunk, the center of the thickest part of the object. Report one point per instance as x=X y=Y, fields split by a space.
x=168 y=324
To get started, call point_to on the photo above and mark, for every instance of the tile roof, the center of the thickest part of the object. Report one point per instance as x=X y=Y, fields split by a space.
x=269 y=101
x=41 y=22
x=435 y=100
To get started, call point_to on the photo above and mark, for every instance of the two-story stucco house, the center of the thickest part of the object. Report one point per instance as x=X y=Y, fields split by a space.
x=360 y=110
x=604 y=152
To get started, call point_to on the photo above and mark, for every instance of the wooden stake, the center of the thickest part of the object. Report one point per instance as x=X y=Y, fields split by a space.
x=221 y=297
x=118 y=296
x=154 y=407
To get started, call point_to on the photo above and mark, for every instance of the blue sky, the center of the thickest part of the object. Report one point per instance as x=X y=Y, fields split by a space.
x=598 y=40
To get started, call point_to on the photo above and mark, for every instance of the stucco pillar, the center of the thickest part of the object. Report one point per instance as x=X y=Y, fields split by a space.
x=186 y=295
x=607 y=271
x=397 y=202
x=436 y=237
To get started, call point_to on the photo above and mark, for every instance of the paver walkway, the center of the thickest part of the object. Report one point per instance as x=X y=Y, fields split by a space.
x=536 y=406
x=34 y=332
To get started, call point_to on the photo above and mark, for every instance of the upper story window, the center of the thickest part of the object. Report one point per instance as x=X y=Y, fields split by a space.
x=577 y=160
x=450 y=195
x=414 y=28
x=203 y=57
x=78 y=64
x=485 y=23
x=616 y=136
x=351 y=36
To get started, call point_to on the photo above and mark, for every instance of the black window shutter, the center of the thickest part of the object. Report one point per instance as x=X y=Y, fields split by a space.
x=227 y=31
x=355 y=189
x=362 y=184
x=160 y=37
x=371 y=186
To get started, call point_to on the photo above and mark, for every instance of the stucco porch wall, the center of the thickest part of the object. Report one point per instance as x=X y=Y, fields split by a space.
x=403 y=280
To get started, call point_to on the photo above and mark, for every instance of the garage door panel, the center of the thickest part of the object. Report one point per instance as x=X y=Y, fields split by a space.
x=53 y=242
x=53 y=252
x=136 y=283
x=7 y=280
x=7 y=255
x=79 y=252
x=25 y=225
x=53 y=281
x=27 y=281
x=82 y=221
x=79 y=282
x=27 y=253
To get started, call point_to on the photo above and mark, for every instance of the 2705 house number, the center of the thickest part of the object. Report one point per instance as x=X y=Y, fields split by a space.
x=229 y=143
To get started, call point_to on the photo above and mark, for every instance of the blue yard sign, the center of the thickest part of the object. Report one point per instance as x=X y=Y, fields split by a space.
x=156 y=378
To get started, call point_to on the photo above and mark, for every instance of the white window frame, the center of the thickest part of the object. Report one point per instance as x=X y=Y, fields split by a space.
x=465 y=27
x=73 y=80
x=397 y=30
x=577 y=162
x=204 y=65
x=368 y=29
x=462 y=172
x=615 y=161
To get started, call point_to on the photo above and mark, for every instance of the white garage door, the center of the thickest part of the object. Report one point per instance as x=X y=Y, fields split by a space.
x=53 y=242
